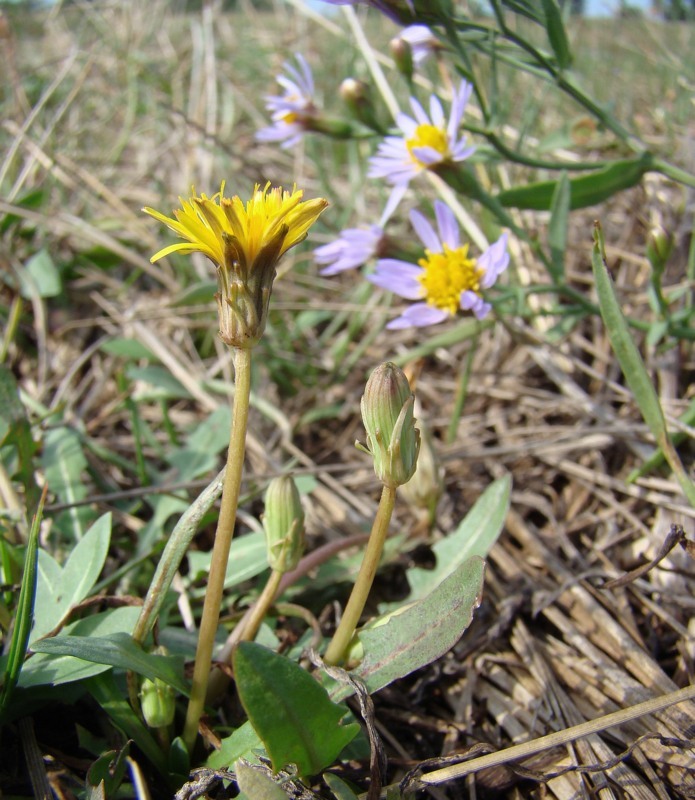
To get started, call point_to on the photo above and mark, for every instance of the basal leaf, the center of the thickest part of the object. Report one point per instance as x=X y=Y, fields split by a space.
x=422 y=632
x=475 y=535
x=242 y=743
x=64 y=462
x=43 y=669
x=256 y=785
x=60 y=590
x=117 y=650
x=290 y=710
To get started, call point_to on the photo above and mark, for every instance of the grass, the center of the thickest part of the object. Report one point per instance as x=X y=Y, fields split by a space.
x=110 y=107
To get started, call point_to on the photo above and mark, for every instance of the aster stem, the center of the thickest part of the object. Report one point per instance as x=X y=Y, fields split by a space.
x=223 y=539
x=360 y=591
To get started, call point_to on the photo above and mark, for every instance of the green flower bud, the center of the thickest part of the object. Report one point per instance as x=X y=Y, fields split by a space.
x=284 y=524
x=387 y=412
x=425 y=488
x=659 y=247
x=402 y=54
x=157 y=700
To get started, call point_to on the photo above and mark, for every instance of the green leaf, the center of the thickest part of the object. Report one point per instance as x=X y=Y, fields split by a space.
x=111 y=698
x=475 y=535
x=40 y=276
x=248 y=557
x=118 y=650
x=555 y=28
x=15 y=430
x=585 y=190
x=24 y=615
x=64 y=461
x=422 y=632
x=60 y=590
x=160 y=384
x=631 y=363
x=289 y=710
x=43 y=669
x=256 y=785
x=340 y=789
x=107 y=772
x=557 y=227
x=130 y=349
x=243 y=743
x=202 y=293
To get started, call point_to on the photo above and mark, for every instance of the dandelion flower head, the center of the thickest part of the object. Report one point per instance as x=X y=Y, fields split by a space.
x=209 y=224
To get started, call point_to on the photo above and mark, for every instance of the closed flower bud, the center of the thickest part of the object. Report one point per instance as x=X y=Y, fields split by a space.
x=402 y=54
x=157 y=700
x=387 y=412
x=283 y=522
x=659 y=247
x=425 y=488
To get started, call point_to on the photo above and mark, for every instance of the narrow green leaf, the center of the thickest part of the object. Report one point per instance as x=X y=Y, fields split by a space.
x=111 y=698
x=475 y=535
x=16 y=430
x=632 y=365
x=130 y=349
x=555 y=28
x=256 y=785
x=43 y=669
x=60 y=590
x=586 y=190
x=64 y=461
x=557 y=227
x=422 y=632
x=24 y=614
x=289 y=710
x=118 y=650
x=85 y=563
x=340 y=789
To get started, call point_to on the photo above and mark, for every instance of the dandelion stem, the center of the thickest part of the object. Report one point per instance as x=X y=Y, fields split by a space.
x=360 y=591
x=223 y=540
x=261 y=606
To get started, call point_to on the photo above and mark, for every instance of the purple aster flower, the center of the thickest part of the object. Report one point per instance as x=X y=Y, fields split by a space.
x=421 y=40
x=447 y=278
x=354 y=247
x=294 y=108
x=426 y=141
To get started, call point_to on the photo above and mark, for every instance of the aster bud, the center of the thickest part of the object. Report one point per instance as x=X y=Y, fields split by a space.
x=283 y=522
x=659 y=247
x=425 y=488
x=402 y=54
x=387 y=412
x=357 y=98
x=157 y=700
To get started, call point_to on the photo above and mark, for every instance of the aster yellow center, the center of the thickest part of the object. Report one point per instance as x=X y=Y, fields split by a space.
x=428 y=136
x=448 y=274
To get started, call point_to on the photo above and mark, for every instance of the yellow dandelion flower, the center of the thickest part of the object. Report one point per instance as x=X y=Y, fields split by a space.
x=245 y=241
